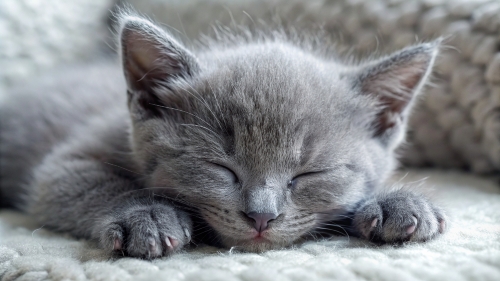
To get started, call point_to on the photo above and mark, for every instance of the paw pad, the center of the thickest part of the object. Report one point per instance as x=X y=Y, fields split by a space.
x=412 y=227
x=442 y=226
x=117 y=246
x=170 y=244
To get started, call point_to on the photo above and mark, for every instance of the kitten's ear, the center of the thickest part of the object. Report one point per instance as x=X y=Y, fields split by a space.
x=150 y=57
x=395 y=81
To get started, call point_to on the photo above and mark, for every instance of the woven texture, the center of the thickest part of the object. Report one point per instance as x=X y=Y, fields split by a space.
x=457 y=124
x=470 y=250
x=39 y=35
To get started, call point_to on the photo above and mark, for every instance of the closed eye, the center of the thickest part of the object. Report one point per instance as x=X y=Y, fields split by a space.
x=293 y=182
x=308 y=174
x=227 y=170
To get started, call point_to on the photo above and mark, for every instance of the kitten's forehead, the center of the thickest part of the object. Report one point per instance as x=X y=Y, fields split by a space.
x=277 y=78
x=279 y=101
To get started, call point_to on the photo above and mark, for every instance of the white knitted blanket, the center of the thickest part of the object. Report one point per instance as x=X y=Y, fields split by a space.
x=470 y=250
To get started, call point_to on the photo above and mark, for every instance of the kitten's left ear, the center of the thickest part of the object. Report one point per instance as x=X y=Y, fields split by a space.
x=395 y=81
x=149 y=54
x=151 y=57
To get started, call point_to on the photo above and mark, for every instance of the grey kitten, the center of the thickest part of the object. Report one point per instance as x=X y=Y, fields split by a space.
x=253 y=143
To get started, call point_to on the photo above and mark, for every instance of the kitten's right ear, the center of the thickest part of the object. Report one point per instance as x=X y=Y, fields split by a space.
x=151 y=57
x=394 y=82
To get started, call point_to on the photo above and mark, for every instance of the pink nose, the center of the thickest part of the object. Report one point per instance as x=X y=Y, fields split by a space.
x=261 y=220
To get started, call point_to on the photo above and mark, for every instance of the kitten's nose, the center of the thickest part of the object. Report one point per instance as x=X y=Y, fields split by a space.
x=261 y=220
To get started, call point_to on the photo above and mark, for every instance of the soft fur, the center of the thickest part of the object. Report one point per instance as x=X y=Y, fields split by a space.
x=256 y=124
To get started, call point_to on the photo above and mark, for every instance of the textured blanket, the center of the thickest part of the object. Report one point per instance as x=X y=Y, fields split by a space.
x=470 y=250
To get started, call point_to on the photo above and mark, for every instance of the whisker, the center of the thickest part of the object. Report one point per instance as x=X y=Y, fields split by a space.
x=333 y=217
x=205 y=129
x=218 y=106
x=338 y=232
x=203 y=101
x=176 y=109
x=124 y=169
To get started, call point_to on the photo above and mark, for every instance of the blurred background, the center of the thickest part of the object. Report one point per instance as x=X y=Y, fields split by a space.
x=457 y=122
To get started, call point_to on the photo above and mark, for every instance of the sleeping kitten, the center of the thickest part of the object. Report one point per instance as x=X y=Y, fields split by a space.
x=259 y=142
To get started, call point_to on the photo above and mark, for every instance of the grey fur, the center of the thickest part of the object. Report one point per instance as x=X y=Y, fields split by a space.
x=399 y=216
x=245 y=125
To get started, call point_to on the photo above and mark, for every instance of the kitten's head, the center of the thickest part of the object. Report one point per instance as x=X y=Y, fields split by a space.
x=264 y=138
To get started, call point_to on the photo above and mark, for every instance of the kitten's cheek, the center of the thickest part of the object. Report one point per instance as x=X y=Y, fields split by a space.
x=243 y=232
x=160 y=179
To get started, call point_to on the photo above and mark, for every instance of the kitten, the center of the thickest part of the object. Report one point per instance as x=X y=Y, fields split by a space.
x=260 y=141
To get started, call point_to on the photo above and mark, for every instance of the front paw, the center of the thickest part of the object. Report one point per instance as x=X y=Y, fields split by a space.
x=146 y=231
x=397 y=217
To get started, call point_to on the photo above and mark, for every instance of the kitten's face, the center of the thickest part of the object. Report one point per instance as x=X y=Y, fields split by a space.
x=257 y=129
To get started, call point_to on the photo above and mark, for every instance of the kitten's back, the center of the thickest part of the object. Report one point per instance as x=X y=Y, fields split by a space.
x=37 y=116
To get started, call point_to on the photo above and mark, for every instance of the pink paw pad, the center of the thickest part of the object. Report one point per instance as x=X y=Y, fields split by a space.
x=154 y=250
x=413 y=227
x=170 y=244
x=442 y=226
x=117 y=245
x=366 y=232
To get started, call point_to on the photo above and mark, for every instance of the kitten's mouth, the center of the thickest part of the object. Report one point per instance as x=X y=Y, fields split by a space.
x=247 y=238
x=257 y=242
x=259 y=238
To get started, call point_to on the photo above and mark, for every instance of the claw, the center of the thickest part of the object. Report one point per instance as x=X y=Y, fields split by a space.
x=168 y=245
x=167 y=241
x=188 y=235
x=374 y=223
x=152 y=244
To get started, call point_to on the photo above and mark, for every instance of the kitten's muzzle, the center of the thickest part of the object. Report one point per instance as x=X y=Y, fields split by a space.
x=261 y=220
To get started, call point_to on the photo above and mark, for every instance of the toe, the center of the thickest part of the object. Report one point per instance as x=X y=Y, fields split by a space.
x=174 y=242
x=368 y=228
x=118 y=244
x=411 y=229
x=112 y=237
x=442 y=226
x=169 y=244
x=153 y=248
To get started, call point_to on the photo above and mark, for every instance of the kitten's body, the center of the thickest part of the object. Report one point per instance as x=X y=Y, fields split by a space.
x=44 y=113
x=242 y=135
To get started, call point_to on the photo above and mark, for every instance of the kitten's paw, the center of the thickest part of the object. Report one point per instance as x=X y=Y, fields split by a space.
x=146 y=231
x=399 y=216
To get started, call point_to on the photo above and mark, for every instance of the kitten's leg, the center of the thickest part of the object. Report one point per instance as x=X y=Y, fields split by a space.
x=86 y=197
x=398 y=216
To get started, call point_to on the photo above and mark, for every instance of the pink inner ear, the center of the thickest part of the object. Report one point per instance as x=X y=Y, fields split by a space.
x=151 y=59
x=150 y=55
x=141 y=58
x=394 y=83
